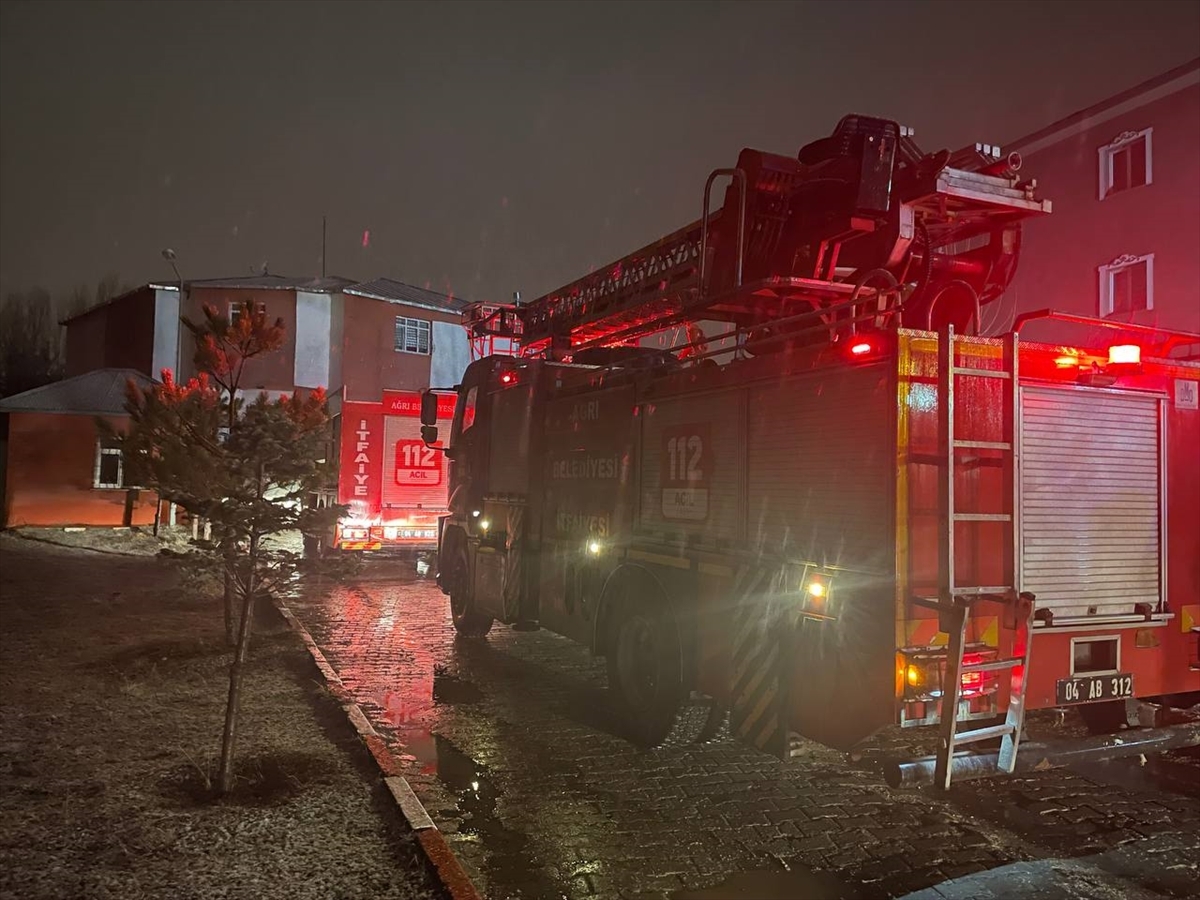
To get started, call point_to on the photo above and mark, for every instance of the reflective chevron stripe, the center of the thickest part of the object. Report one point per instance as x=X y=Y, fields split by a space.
x=513 y=561
x=758 y=696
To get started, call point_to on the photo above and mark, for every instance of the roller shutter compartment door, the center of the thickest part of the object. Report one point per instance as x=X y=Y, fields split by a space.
x=1090 y=500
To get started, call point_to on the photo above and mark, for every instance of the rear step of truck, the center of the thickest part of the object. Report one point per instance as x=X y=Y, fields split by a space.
x=954 y=601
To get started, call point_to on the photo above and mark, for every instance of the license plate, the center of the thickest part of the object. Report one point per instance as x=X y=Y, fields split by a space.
x=1093 y=688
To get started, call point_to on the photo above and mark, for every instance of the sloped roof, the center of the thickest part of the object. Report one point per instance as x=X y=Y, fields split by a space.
x=150 y=286
x=101 y=392
x=1049 y=133
x=398 y=292
x=327 y=285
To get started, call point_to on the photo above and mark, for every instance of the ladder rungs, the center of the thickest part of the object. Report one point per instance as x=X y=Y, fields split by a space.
x=982 y=734
x=994 y=665
x=981 y=373
x=984 y=445
x=982 y=517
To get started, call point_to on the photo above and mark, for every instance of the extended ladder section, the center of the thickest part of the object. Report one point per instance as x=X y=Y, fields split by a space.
x=858 y=220
x=955 y=602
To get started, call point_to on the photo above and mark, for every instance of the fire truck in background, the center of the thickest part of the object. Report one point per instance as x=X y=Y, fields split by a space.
x=394 y=487
x=852 y=510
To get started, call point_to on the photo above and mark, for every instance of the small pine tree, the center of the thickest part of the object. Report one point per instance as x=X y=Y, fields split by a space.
x=247 y=468
x=224 y=349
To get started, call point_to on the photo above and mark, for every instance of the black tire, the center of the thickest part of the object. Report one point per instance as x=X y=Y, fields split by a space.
x=1105 y=718
x=467 y=621
x=644 y=676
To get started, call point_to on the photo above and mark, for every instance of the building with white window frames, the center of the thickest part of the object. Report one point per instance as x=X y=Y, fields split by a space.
x=110 y=468
x=1126 y=162
x=1123 y=242
x=412 y=335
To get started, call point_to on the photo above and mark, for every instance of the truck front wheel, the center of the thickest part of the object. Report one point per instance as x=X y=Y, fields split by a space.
x=468 y=622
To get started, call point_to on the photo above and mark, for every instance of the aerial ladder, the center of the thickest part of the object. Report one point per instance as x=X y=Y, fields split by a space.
x=862 y=229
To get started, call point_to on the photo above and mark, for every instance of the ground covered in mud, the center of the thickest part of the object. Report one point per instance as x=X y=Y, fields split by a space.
x=113 y=676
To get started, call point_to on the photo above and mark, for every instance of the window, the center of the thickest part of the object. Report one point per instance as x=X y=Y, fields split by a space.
x=464 y=415
x=1126 y=162
x=110 y=470
x=412 y=335
x=1127 y=285
x=237 y=307
x=469 y=409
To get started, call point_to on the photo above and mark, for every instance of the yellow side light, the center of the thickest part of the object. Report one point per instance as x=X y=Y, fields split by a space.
x=913 y=675
x=816 y=589
x=594 y=548
x=484 y=524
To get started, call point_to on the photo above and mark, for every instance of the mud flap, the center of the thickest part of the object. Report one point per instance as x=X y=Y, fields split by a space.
x=514 y=576
x=759 y=665
x=489 y=581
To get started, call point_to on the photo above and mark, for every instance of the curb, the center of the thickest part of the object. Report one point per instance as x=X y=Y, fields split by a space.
x=449 y=871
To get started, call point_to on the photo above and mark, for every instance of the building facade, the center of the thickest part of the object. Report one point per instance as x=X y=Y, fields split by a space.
x=137 y=330
x=55 y=466
x=1123 y=241
x=351 y=338
x=357 y=340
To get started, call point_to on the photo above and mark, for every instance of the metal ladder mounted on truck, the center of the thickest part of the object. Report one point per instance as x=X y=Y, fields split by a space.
x=955 y=602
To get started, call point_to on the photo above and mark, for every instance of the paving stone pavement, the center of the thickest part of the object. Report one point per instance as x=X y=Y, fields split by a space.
x=510 y=746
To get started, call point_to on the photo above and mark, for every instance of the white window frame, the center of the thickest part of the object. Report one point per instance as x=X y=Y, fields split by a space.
x=1110 y=150
x=101 y=452
x=421 y=328
x=1107 y=272
x=235 y=306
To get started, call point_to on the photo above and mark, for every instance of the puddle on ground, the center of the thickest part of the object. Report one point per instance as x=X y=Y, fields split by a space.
x=798 y=882
x=1150 y=773
x=450 y=689
x=509 y=864
x=510 y=860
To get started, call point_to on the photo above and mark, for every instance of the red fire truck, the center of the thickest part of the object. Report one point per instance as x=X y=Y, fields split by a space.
x=851 y=510
x=394 y=487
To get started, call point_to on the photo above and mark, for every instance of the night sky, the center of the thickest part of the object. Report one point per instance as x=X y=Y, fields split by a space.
x=483 y=148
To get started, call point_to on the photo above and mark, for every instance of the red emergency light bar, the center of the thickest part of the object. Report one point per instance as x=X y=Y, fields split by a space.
x=1124 y=355
x=865 y=347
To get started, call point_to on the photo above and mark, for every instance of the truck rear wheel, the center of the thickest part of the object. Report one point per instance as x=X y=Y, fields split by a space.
x=644 y=675
x=468 y=622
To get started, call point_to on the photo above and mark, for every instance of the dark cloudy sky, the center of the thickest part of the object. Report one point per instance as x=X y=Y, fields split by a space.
x=484 y=147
